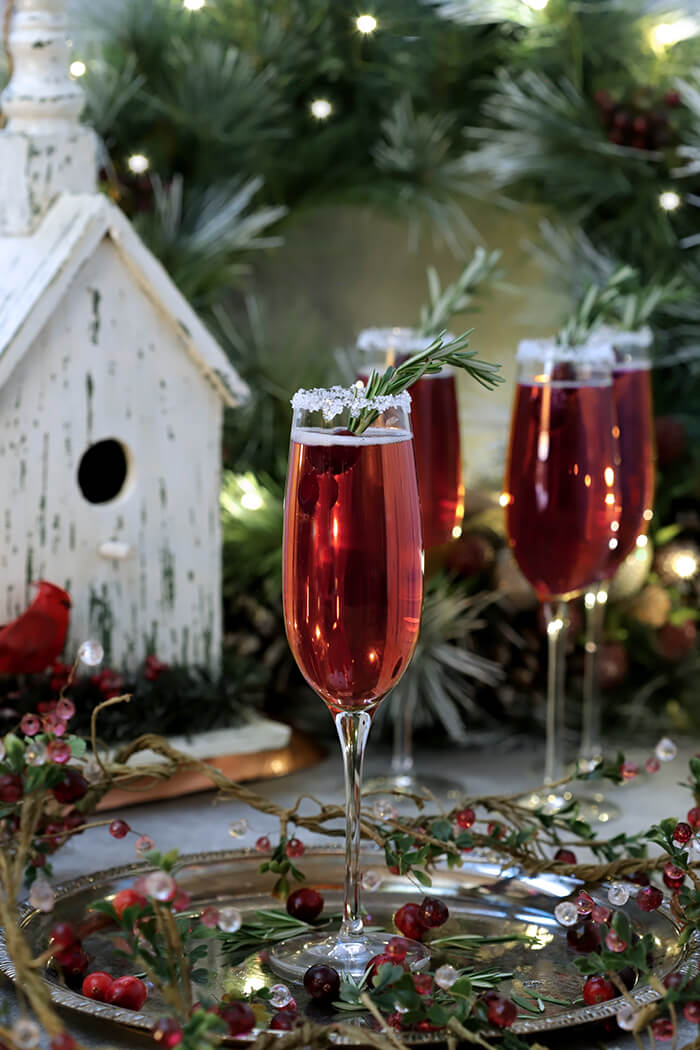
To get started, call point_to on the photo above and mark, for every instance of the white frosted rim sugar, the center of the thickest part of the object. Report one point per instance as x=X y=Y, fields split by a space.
x=337 y=399
x=593 y=351
x=401 y=340
x=371 y=436
x=625 y=339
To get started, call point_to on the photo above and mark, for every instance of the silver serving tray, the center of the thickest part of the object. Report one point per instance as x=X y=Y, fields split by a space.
x=484 y=897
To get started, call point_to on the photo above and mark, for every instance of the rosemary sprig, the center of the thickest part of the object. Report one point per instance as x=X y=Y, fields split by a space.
x=269 y=926
x=428 y=362
x=458 y=296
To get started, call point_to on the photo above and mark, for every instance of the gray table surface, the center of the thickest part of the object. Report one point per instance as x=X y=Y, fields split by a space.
x=196 y=823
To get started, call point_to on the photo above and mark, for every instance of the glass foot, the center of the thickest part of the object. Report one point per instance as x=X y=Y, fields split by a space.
x=291 y=959
x=550 y=802
x=416 y=784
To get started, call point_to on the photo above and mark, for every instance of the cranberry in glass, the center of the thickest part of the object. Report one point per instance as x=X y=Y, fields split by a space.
x=408 y=920
x=433 y=912
x=305 y=904
x=322 y=983
x=11 y=789
x=71 y=788
x=598 y=990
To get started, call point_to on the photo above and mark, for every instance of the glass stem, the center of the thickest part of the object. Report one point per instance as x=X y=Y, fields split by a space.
x=591 y=750
x=402 y=757
x=353 y=730
x=557 y=620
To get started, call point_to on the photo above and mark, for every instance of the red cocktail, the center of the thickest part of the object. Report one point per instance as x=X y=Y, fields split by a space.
x=353 y=587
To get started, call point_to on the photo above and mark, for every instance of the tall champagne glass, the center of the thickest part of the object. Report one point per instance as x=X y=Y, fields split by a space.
x=562 y=497
x=353 y=588
x=435 y=422
x=633 y=407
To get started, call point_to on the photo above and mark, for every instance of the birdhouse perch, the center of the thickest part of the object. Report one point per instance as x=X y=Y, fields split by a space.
x=111 y=389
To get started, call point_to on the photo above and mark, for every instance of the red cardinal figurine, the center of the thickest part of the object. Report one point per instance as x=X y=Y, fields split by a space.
x=33 y=641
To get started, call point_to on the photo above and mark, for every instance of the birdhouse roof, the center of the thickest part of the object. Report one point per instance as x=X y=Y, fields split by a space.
x=36 y=272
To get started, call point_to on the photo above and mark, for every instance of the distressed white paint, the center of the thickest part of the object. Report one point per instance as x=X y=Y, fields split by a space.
x=96 y=342
x=44 y=151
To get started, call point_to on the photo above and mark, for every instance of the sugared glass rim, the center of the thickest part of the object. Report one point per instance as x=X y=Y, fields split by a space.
x=333 y=400
x=625 y=338
x=594 y=351
x=402 y=340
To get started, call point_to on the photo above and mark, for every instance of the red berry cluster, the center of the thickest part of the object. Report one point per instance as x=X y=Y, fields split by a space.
x=128 y=992
x=414 y=919
x=642 y=123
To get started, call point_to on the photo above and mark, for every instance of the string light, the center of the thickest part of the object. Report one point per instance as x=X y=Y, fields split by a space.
x=78 y=68
x=536 y=5
x=666 y=34
x=138 y=163
x=366 y=23
x=321 y=108
x=684 y=565
x=193 y=5
x=669 y=200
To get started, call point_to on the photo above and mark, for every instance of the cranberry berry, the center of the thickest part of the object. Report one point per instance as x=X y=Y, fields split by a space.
x=322 y=983
x=71 y=787
x=649 y=898
x=63 y=935
x=682 y=833
x=11 y=789
x=305 y=904
x=73 y=961
x=465 y=818
x=238 y=1017
x=119 y=829
x=283 y=1021
x=598 y=990
x=127 y=899
x=98 y=986
x=408 y=921
x=128 y=992
x=501 y=1012
x=433 y=912
x=565 y=856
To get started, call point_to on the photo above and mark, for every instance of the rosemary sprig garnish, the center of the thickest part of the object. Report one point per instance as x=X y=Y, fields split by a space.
x=458 y=296
x=269 y=926
x=430 y=361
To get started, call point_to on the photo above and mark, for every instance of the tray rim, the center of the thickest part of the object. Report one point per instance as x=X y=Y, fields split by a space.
x=67 y=998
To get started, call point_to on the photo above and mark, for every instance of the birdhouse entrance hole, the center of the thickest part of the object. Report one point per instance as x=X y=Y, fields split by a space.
x=103 y=470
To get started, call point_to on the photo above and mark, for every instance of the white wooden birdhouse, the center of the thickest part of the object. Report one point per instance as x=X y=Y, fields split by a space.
x=111 y=389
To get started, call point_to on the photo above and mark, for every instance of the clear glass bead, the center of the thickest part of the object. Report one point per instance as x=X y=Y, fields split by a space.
x=280 y=996
x=370 y=880
x=41 y=895
x=238 y=828
x=143 y=844
x=25 y=1033
x=665 y=750
x=230 y=920
x=160 y=886
x=91 y=653
x=35 y=753
x=626 y=1017
x=445 y=976
x=400 y=1008
x=566 y=913
x=618 y=894
x=383 y=809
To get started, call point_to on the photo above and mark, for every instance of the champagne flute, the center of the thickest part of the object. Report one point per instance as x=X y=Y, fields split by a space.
x=562 y=498
x=633 y=407
x=435 y=423
x=353 y=588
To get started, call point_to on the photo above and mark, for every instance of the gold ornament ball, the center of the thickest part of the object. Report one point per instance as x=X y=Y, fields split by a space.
x=652 y=606
x=632 y=574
